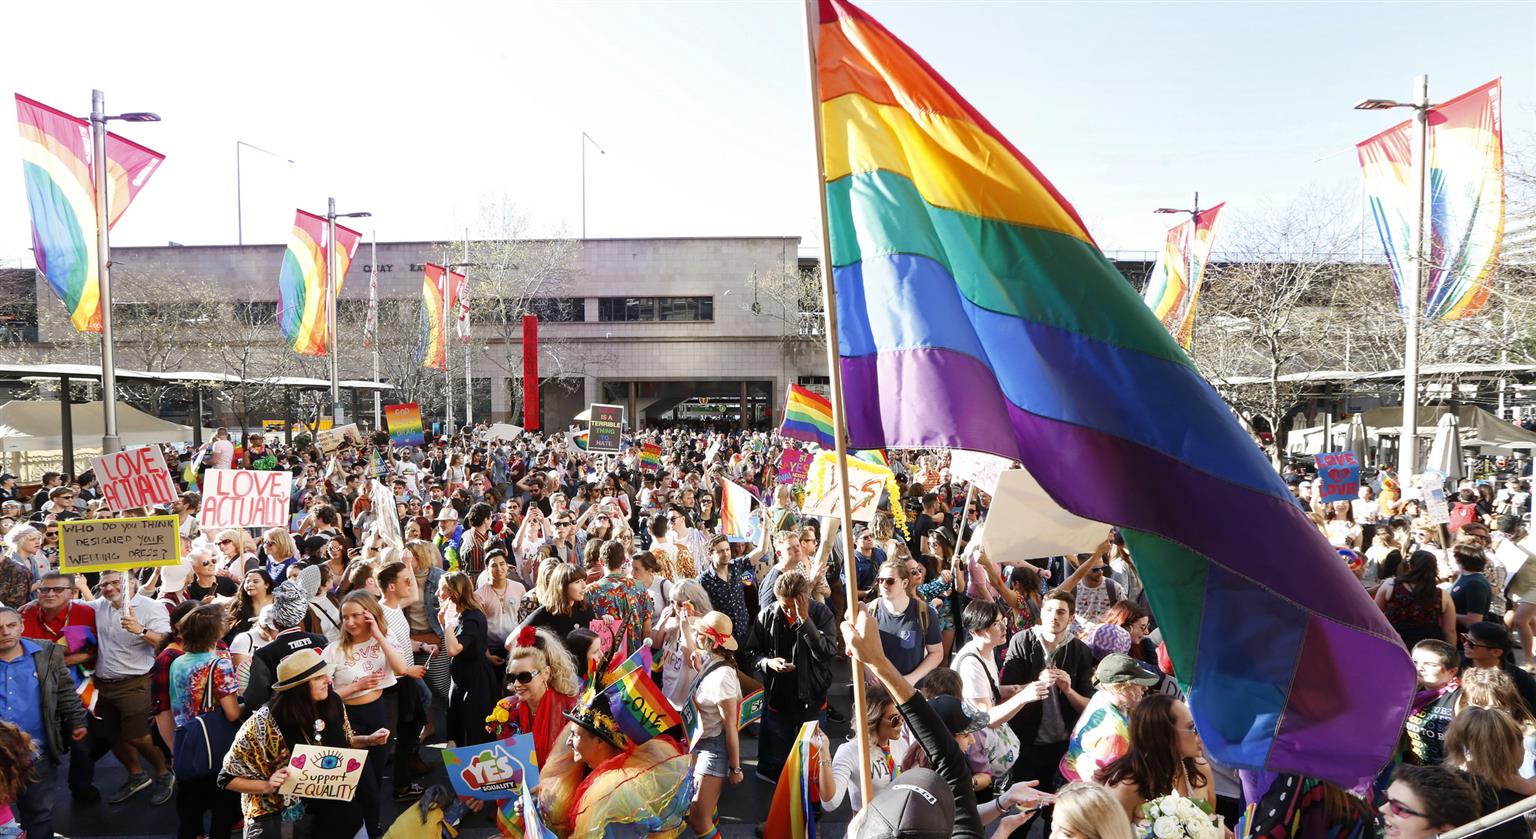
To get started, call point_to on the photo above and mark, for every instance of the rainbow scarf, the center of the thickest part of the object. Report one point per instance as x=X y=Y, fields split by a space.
x=650 y=457
x=432 y=343
x=978 y=313
x=302 y=290
x=808 y=417
x=61 y=195
x=792 y=813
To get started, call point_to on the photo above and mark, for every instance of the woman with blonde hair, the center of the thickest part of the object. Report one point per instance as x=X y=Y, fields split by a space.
x=1084 y=810
x=282 y=553
x=1485 y=743
x=366 y=664
x=543 y=685
x=237 y=552
x=673 y=637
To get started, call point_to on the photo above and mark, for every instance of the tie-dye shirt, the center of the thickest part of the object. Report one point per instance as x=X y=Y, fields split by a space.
x=1102 y=734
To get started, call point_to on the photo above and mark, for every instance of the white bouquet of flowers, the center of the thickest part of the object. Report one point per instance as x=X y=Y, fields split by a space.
x=1175 y=817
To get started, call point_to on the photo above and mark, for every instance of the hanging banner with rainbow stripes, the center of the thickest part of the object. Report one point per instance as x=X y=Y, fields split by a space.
x=1466 y=200
x=56 y=153
x=432 y=344
x=1171 y=293
x=303 y=291
x=808 y=417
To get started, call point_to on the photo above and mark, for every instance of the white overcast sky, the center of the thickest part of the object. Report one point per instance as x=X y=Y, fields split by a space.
x=423 y=112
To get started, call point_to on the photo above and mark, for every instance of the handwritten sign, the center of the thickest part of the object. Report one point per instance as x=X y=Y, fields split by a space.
x=245 y=498
x=118 y=544
x=493 y=770
x=978 y=468
x=866 y=482
x=324 y=772
x=1432 y=485
x=404 y=423
x=794 y=465
x=332 y=439
x=134 y=478
x=1338 y=476
x=605 y=428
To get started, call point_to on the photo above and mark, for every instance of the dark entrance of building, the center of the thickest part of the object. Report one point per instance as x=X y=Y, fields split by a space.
x=736 y=403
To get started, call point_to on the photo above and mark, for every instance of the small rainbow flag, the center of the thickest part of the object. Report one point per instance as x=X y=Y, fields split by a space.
x=875 y=456
x=61 y=195
x=303 y=289
x=650 y=457
x=808 y=417
x=735 y=505
x=792 y=812
x=640 y=708
x=751 y=709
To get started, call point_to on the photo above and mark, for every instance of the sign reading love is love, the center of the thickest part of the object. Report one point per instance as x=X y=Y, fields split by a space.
x=324 y=772
x=1338 y=476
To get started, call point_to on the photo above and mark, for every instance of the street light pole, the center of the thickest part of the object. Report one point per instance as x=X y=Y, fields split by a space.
x=239 y=200
x=584 y=141
x=373 y=282
x=332 y=291
x=447 y=354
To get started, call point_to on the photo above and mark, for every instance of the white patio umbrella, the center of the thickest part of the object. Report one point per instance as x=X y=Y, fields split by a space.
x=1445 y=451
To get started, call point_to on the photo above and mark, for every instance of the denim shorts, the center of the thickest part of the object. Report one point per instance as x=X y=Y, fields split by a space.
x=711 y=758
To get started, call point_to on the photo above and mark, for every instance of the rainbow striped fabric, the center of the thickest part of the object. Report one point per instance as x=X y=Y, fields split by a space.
x=735 y=509
x=432 y=343
x=1170 y=293
x=650 y=457
x=302 y=289
x=808 y=417
x=792 y=812
x=639 y=707
x=977 y=313
x=875 y=456
x=1466 y=199
x=61 y=195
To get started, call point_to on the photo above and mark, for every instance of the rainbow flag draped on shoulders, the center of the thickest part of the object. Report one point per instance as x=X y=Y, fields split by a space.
x=976 y=312
x=56 y=153
x=303 y=290
x=808 y=417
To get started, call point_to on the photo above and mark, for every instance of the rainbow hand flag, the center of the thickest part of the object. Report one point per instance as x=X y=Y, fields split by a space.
x=61 y=195
x=639 y=707
x=792 y=813
x=735 y=508
x=432 y=343
x=977 y=313
x=650 y=457
x=808 y=417
x=303 y=290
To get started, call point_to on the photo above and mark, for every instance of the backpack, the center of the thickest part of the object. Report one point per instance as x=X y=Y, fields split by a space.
x=199 y=746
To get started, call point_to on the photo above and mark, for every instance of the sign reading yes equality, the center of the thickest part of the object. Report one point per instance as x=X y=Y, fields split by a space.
x=245 y=498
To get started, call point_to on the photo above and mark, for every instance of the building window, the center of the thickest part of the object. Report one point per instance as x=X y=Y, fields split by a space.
x=820 y=384
x=559 y=309
x=637 y=309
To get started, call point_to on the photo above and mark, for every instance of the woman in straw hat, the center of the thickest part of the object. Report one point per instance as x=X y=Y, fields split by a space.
x=717 y=696
x=303 y=710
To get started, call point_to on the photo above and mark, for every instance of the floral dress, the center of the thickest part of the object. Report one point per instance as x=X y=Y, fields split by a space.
x=941 y=590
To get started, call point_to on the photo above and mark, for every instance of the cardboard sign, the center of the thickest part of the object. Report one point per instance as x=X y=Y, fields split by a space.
x=134 y=478
x=324 y=772
x=605 y=428
x=331 y=439
x=118 y=544
x=1338 y=476
x=501 y=431
x=245 y=498
x=978 y=468
x=493 y=770
x=404 y=423
x=794 y=465
x=866 y=483
x=1432 y=487
x=1024 y=522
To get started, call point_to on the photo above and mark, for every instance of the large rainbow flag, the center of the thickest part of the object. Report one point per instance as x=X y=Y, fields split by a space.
x=792 y=812
x=302 y=288
x=1171 y=293
x=56 y=155
x=977 y=313
x=735 y=507
x=432 y=344
x=808 y=417
x=1466 y=200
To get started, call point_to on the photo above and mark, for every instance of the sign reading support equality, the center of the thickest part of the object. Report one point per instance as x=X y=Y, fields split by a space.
x=245 y=498
x=605 y=428
x=118 y=544
x=134 y=478
x=1338 y=476
x=324 y=772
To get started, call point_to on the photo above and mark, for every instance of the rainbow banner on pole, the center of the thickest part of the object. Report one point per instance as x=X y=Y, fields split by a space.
x=1172 y=294
x=56 y=153
x=808 y=417
x=432 y=345
x=1466 y=200
x=977 y=313
x=303 y=292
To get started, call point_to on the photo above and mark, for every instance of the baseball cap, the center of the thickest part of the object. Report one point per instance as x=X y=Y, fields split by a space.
x=917 y=805
x=1119 y=669
x=958 y=718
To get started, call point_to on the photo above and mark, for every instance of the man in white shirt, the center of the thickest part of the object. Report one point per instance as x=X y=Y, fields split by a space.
x=129 y=626
x=409 y=694
x=221 y=452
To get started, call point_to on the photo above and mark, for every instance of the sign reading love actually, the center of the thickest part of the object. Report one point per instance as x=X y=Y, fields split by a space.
x=134 y=478
x=1338 y=476
x=245 y=498
x=324 y=772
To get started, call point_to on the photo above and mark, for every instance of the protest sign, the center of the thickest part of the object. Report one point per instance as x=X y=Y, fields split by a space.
x=118 y=544
x=331 y=439
x=324 y=772
x=1513 y=555
x=245 y=498
x=1025 y=522
x=134 y=478
x=493 y=770
x=793 y=466
x=1432 y=486
x=605 y=428
x=501 y=431
x=404 y=423
x=866 y=482
x=979 y=468
x=1338 y=476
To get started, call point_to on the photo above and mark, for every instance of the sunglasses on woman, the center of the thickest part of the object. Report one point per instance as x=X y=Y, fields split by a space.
x=1402 y=810
x=522 y=677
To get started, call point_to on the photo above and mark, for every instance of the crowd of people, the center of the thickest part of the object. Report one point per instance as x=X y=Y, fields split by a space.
x=472 y=589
